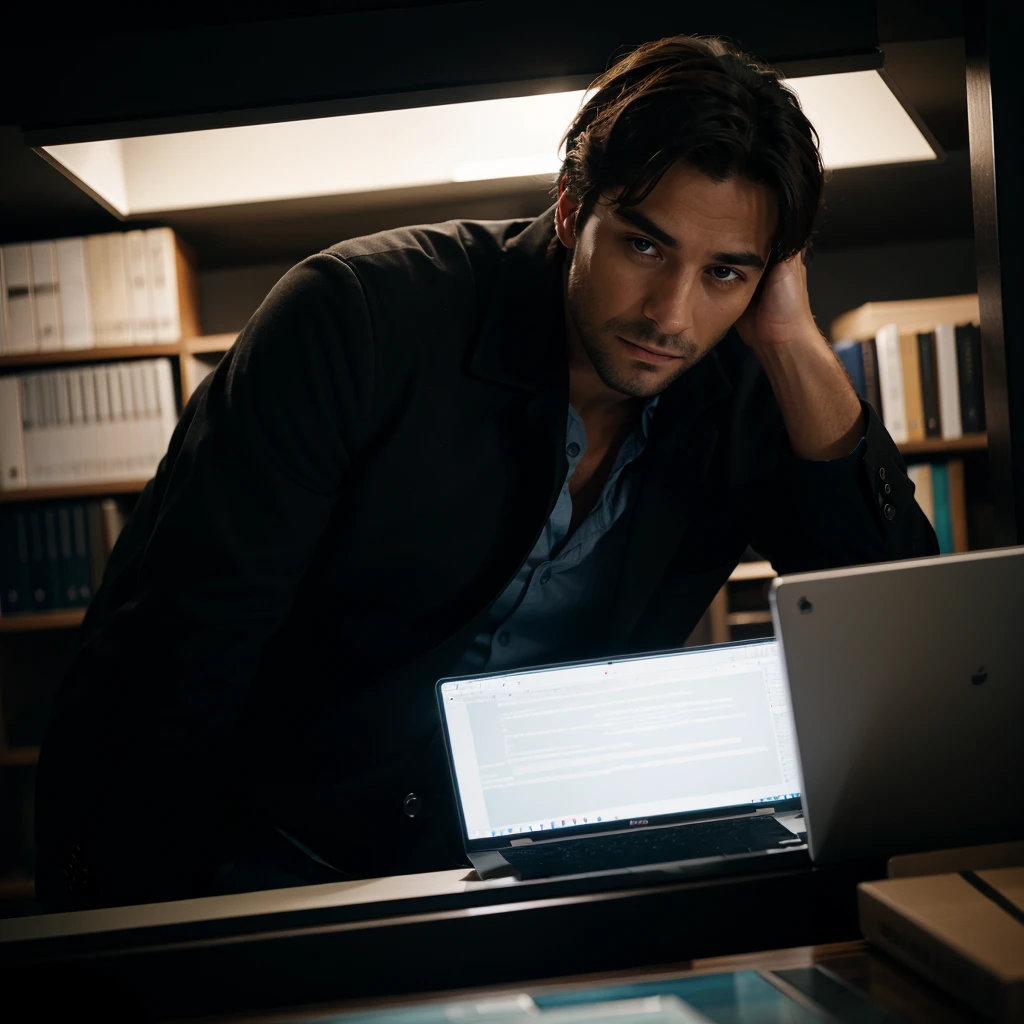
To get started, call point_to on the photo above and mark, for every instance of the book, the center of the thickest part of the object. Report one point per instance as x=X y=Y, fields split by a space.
x=174 y=294
x=97 y=275
x=44 y=296
x=15 y=578
x=948 y=381
x=890 y=380
x=920 y=475
x=21 y=325
x=912 y=400
x=121 y=324
x=910 y=314
x=852 y=358
x=929 y=384
x=3 y=306
x=67 y=571
x=962 y=931
x=73 y=294
x=972 y=389
x=942 y=522
x=870 y=360
x=139 y=288
x=957 y=503
x=13 y=474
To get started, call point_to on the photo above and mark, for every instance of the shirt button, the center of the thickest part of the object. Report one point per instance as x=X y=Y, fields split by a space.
x=890 y=512
x=411 y=805
x=545 y=576
x=503 y=635
x=572 y=449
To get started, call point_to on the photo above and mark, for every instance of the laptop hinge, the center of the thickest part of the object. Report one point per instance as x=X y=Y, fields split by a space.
x=529 y=842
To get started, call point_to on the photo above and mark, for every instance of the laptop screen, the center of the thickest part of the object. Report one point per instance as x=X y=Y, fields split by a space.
x=576 y=745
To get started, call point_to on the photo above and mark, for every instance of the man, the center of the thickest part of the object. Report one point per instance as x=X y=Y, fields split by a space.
x=454 y=448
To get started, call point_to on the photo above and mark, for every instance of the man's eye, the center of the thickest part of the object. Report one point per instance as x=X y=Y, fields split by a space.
x=725 y=280
x=639 y=246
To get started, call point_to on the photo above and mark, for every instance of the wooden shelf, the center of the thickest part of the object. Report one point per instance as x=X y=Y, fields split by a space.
x=937 y=446
x=18 y=757
x=747 y=618
x=17 y=886
x=209 y=343
x=59 y=618
x=86 y=355
x=752 y=571
x=74 y=491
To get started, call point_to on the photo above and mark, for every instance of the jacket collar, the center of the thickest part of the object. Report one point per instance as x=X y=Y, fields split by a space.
x=522 y=340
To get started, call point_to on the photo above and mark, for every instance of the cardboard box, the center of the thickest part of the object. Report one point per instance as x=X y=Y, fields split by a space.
x=963 y=932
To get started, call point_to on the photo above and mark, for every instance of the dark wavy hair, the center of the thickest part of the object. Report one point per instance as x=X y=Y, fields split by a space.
x=702 y=100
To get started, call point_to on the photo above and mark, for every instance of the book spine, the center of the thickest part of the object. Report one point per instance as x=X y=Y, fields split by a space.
x=67 y=591
x=44 y=296
x=943 y=520
x=21 y=334
x=139 y=287
x=852 y=358
x=890 y=378
x=883 y=926
x=75 y=309
x=912 y=399
x=921 y=476
x=80 y=541
x=13 y=472
x=949 y=381
x=4 y=328
x=163 y=274
x=929 y=384
x=871 y=388
x=15 y=572
x=96 y=543
x=972 y=395
x=124 y=326
x=96 y=275
x=957 y=504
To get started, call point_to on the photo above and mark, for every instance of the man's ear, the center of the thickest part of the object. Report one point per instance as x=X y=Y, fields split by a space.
x=565 y=216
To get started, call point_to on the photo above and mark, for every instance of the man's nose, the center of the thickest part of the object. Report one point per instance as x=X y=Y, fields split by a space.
x=670 y=305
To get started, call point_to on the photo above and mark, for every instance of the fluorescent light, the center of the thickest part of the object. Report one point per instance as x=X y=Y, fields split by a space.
x=859 y=121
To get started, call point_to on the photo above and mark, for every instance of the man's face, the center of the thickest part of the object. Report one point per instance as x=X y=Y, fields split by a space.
x=652 y=288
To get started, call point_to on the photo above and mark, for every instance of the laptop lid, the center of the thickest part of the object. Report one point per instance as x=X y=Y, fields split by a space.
x=628 y=742
x=907 y=688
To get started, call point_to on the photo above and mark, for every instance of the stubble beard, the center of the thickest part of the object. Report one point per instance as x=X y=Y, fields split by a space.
x=616 y=371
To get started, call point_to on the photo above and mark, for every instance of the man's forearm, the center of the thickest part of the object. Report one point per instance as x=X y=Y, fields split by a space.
x=820 y=409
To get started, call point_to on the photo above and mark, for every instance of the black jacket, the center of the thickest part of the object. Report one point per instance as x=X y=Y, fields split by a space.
x=364 y=472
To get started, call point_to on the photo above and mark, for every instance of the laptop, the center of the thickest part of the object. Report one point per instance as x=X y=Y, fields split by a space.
x=907 y=688
x=680 y=757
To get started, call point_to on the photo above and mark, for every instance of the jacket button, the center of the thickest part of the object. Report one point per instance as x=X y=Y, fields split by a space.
x=411 y=805
x=890 y=512
x=887 y=489
x=881 y=472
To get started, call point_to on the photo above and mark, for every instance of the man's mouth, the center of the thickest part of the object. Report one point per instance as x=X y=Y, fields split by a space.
x=650 y=355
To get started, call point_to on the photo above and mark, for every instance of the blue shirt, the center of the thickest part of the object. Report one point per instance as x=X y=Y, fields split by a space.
x=562 y=592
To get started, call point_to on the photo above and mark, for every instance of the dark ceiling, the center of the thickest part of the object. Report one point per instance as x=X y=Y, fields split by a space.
x=921 y=43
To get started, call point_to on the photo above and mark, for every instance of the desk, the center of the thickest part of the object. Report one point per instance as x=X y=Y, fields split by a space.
x=414 y=934
x=889 y=985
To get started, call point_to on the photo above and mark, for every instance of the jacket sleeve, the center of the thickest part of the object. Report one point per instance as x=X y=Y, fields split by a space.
x=205 y=571
x=854 y=510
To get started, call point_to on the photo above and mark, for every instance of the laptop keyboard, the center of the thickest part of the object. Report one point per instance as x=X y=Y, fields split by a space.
x=650 y=846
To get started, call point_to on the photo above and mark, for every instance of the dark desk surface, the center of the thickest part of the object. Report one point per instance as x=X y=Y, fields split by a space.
x=888 y=985
x=386 y=938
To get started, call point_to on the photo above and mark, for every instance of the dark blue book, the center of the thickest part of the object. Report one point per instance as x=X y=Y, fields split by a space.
x=852 y=356
x=67 y=591
x=80 y=545
x=972 y=388
x=39 y=566
x=15 y=583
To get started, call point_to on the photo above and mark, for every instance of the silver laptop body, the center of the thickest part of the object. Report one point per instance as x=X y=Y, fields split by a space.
x=564 y=754
x=906 y=683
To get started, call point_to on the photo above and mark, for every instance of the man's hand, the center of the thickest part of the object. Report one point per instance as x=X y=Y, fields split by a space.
x=821 y=411
x=780 y=311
